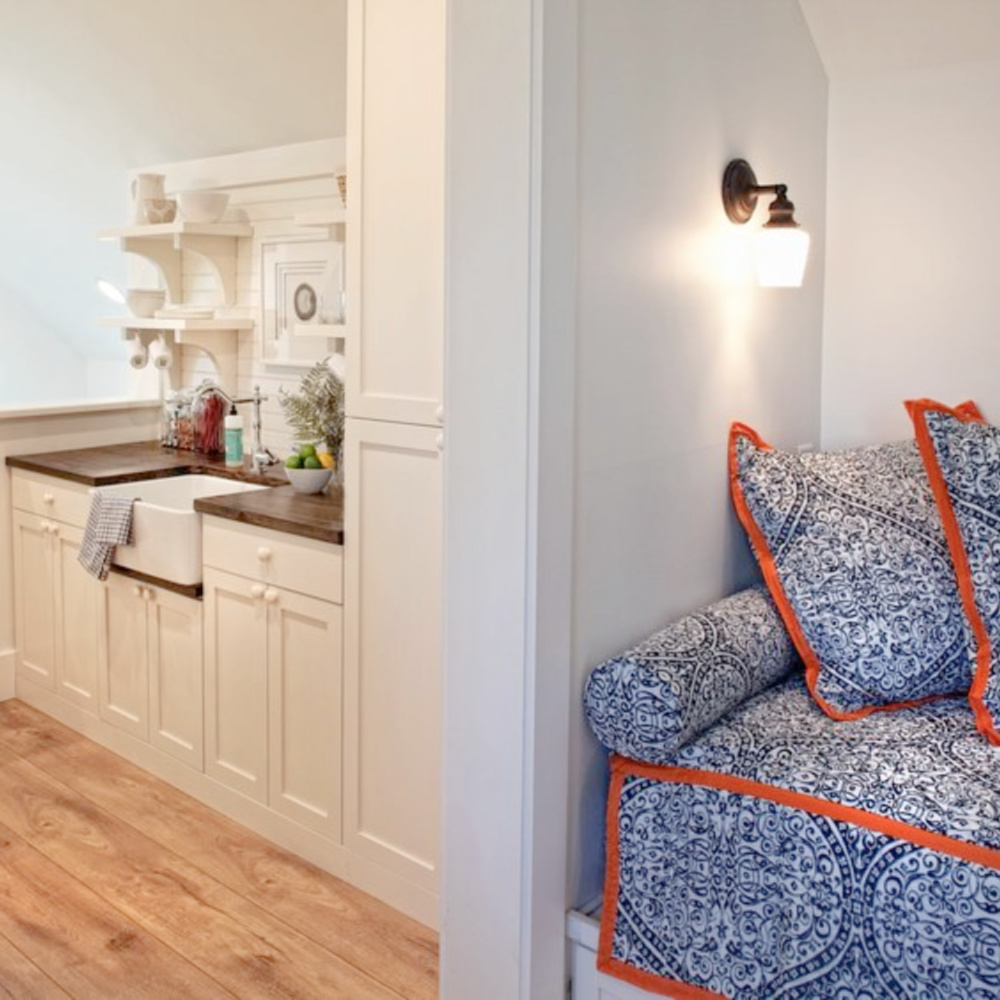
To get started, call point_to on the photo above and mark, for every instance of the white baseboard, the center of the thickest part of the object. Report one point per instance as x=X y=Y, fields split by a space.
x=7 y=660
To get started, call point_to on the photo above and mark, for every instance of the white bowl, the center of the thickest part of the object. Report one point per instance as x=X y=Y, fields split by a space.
x=308 y=480
x=202 y=206
x=143 y=302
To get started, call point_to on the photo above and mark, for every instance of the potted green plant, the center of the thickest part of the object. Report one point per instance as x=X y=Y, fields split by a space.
x=315 y=412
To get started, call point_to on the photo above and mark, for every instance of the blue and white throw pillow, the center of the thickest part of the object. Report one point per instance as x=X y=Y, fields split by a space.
x=852 y=548
x=652 y=699
x=962 y=455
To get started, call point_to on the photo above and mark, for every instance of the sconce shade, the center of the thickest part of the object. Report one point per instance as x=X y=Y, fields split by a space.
x=781 y=247
x=780 y=256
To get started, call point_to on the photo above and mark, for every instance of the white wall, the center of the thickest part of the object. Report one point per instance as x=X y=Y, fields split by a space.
x=674 y=342
x=91 y=89
x=36 y=363
x=913 y=298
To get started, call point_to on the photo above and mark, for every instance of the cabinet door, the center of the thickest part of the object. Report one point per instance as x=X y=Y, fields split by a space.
x=236 y=682
x=305 y=656
x=392 y=646
x=175 y=676
x=395 y=209
x=124 y=674
x=78 y=613
x=34 y=596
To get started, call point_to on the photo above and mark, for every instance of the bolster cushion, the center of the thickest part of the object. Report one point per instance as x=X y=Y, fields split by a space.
x=649 y=701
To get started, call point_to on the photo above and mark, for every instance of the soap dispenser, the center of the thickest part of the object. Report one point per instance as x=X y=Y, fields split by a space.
x=234 y=438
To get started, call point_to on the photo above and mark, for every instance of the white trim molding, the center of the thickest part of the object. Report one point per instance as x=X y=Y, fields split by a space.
x=509 y=391
x=8 y=660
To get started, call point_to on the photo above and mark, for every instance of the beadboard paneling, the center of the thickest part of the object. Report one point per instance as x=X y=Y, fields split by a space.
x=269 y=188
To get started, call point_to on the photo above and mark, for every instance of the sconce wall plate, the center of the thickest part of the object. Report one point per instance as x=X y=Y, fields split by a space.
x=739 y=191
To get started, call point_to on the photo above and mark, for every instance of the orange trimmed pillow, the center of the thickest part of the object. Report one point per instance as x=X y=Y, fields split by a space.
x=853 y=551
x=962 y=455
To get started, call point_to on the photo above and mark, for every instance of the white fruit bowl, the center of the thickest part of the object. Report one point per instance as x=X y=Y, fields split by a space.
x=308 y=480
x=144 y=302
x=202 y=206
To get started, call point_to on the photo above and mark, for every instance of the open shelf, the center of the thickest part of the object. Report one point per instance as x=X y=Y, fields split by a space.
x=179 y=323
x=163 y=244
x=177 y=229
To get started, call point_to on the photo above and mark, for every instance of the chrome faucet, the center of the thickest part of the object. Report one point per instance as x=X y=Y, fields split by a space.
x=262 y=456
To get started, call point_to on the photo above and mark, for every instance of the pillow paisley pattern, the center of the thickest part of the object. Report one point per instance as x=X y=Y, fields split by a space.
x=788 y=855
x=652 y=699
x=853 y=551
x=962 y=455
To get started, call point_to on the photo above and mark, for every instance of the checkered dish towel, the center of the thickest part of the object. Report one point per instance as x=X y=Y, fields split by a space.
x=109 y=523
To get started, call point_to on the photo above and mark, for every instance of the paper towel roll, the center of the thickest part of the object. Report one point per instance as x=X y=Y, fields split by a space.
x=160 y=353
x=137 y=353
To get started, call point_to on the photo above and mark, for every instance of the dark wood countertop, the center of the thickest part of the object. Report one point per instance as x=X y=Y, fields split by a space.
x=313 y=515
x=319 y=516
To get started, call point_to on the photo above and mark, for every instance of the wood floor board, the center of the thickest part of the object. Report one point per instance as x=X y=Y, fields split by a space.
x=401 y=952
x=22 y=979
x=87 y=947
x=253 y=919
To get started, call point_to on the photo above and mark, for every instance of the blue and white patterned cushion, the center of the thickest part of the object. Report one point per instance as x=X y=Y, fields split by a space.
x=754 y=900
x=786 y=854
x=852 y=548
x=652 y=699
x=963 y=456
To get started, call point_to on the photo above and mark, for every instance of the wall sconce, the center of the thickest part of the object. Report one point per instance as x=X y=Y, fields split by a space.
x=781 y=246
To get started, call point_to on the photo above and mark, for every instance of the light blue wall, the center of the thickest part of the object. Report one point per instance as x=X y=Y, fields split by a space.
x=674 y=340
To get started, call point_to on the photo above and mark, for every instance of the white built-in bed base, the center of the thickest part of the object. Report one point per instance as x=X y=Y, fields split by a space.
x=582 y=927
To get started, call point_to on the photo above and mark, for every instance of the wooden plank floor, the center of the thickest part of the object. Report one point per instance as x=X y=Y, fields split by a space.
x=114 y=884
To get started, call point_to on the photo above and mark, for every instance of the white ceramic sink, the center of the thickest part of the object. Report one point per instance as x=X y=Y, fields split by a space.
x=165 y=526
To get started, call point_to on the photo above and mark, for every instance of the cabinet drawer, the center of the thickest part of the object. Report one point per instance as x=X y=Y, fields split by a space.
x=301 y=564
x=52 y=498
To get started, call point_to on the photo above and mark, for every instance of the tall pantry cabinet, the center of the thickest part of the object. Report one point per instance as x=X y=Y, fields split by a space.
x=394 y=435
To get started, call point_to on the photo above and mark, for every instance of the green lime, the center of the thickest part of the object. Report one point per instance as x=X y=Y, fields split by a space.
x=312 y=462
x=307 y=451
x=293 y=462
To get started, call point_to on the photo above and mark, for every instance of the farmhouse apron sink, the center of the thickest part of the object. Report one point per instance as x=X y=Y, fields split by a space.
x=165 y=526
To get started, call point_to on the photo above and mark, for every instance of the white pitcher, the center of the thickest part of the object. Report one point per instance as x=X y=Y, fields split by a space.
x=145 y=186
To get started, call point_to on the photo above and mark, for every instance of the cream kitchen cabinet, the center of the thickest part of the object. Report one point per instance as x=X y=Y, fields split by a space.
x=151 y=666
x=392 y=646
x=395 y=209
x=56 y=601
x=273 y=665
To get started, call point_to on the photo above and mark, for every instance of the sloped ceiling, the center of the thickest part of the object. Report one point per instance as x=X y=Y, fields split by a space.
x=859 y=38
x=91 y=89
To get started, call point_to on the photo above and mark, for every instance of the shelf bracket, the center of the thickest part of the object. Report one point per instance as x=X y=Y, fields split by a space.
x=220 y=253
x=163 y=256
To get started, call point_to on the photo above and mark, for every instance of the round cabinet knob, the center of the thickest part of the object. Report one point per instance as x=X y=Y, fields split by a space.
x=149 y=594
x=48 y=498
x=271 y=595
x=264 y=553
x=257 y=590
x=439 y=442
x=439 y=414
x=137 y=591
x=54 y=529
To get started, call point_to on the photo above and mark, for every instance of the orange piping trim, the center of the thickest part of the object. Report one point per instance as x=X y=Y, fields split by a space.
x=987 y=856
x=765 y=560
x=967 y=412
